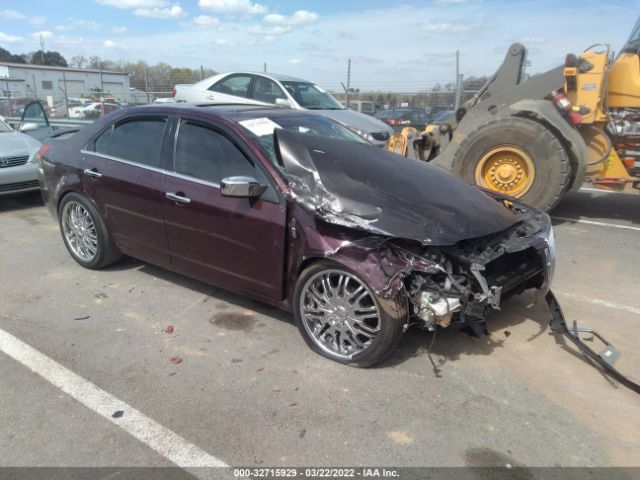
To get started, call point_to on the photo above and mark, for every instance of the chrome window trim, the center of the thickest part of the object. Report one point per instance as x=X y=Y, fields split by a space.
x=153 y=169
x=122 y=160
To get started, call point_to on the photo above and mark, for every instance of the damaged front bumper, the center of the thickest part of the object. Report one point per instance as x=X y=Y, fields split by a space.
x=606 y=358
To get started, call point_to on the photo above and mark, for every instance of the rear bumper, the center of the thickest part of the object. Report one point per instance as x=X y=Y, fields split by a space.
x=19 y=179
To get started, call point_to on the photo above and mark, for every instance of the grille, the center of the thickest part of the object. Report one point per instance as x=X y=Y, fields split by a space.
x=13 y=161
x=380 y=136
x=9 y=187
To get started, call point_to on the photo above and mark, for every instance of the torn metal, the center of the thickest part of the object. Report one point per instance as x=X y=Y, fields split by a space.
x=451 y=250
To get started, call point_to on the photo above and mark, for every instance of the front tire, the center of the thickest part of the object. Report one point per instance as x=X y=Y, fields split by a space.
x=84 y=233
x=341 y=318
x=517 y=157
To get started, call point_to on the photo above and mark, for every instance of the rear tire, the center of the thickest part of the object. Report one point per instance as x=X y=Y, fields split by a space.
x=532 y=145
x=362 y=342
x=84 y=233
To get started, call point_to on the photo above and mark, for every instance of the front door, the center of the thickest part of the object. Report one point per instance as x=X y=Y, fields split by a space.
x=122 y=175
x=235 y=242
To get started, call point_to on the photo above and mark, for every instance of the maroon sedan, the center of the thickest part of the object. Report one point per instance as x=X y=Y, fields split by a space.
x=295 y=210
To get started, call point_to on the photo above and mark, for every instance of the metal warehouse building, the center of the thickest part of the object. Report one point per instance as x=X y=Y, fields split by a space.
x=51 y=83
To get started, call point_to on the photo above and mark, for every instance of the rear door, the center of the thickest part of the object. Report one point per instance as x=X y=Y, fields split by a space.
x=231 y=89
x=236 y=242
x=124 y=178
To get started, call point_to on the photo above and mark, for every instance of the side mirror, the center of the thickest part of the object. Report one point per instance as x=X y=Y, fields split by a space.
x=283 y=102
x=242 y=187
x=30 y=127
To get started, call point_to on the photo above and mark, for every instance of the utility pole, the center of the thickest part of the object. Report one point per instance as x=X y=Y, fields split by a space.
x=66 y=97
x=459 y=81
x=146 y=84
x=42 y=49
x=201 y=72
x=264 y=67
x=348 y=82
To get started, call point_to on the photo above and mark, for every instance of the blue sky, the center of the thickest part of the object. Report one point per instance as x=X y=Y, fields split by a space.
x=394 y=45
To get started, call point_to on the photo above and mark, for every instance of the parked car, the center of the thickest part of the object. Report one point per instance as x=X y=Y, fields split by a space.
x=61 y=109
x=399 y=118
x=18 y=173
x=442 y=116
x=293 y=209
x=284 y=91
x=97 y=110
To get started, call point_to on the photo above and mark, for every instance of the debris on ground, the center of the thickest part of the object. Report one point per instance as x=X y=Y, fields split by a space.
x=302 y=433
x=507 y=333
x=236 y=360
x=175 y=360
x=117 y=414
x=293 y=404
x=83 y=318
x=260 y=369
x=169 y=329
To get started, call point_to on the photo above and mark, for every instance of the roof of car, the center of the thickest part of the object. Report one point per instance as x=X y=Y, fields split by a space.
x=234 y=111
x=276 y=76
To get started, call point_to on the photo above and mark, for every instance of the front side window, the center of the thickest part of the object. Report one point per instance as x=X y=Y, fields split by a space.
x=208 y=155
x=265 y=90
x=237 y=85
x=138 y=141
x=311 y=96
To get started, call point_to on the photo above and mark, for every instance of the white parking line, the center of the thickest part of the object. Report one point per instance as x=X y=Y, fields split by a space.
x=603 y=303
x=164 y=441
x=592 y=222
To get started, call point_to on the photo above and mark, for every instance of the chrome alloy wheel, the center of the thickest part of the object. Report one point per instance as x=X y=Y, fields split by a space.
x=79 y=231
x=339 y=313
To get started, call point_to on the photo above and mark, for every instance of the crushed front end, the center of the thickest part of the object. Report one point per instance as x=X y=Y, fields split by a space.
x=465 y=281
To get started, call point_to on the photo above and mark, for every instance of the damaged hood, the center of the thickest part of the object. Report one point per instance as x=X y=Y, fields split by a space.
x=367 y=188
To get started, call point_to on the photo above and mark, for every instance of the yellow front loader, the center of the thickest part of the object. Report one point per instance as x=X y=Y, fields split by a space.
x=538 y=139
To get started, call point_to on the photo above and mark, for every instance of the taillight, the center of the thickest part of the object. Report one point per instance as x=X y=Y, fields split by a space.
x=394 y=121
x=174 y=92
x=43 y=149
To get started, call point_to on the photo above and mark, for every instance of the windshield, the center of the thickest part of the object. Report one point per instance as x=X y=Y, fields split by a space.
x=263 y=128
x=633 y=44
x=4 y=127
x=312 y=96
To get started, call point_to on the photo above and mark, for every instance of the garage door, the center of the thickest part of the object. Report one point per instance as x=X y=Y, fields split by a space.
x=75 y=88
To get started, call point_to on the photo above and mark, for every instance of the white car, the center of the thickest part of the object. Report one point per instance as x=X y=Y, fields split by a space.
x=18 y=173
x=284 y=91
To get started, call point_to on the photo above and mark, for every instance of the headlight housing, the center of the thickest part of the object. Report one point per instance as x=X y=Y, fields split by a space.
x=548 y=235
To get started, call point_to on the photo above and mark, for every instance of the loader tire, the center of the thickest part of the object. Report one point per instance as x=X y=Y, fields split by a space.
x=518 y=157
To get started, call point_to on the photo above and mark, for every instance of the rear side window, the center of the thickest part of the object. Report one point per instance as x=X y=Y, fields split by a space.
x=237 y=85
x=208 y=155
x=138 y=141
x=101 y=144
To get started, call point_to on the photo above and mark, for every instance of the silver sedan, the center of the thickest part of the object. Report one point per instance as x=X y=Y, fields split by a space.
x=18 y=173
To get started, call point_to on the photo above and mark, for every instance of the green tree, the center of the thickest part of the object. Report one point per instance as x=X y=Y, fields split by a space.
x=7 y=56
x=51 y=58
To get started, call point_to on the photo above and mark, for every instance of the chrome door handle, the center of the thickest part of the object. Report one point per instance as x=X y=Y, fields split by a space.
x=210 y=97
x=92 y=172
x=177 y=198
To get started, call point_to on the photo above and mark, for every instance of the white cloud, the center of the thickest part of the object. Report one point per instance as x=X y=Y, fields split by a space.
x=175 y=11
x=5 y=38
x=119 y=30
x=78 y=23
x=275 y=30
x=294 y=61
x=45 y=34
x=11 y=15
x=222 y=42
x=129 y=4
x=298 y=18
x=203 y=22
x=233 y=6
x=458 y=27
x=112 y=44
x=533 y=40
x=38 y=20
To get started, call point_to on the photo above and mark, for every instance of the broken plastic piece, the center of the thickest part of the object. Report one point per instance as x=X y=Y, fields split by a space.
x=175 y=360
x=605 y=359
x=169 y=329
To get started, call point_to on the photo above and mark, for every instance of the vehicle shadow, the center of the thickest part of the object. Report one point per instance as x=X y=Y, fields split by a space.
x=451 y=344
x=237 y=300
x=20 y=201
x=591 y=205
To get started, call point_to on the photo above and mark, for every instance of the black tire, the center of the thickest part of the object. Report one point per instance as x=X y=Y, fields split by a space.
x=392 y=317
x=549 y=157
x=106 y=251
